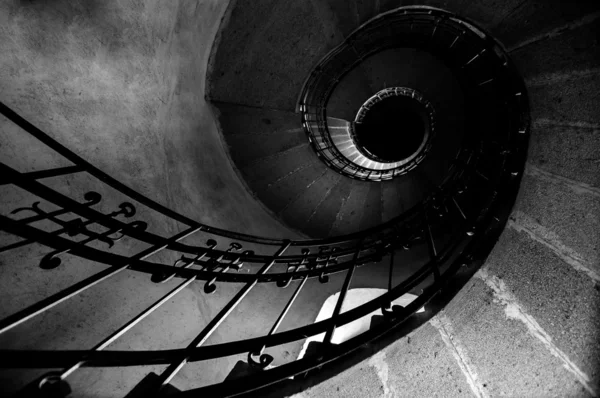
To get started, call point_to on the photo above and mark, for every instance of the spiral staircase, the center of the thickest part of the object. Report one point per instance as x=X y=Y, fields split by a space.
x=184 y=185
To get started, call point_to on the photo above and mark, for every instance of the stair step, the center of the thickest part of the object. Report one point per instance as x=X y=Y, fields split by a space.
x=252 y=133
x=289 y=187
x=269 y=169
x=398 y=196
x=371 y=216
x=350 y=215
x=246 y=149
x=325 y=214
x=541 y=197
x=298 y=213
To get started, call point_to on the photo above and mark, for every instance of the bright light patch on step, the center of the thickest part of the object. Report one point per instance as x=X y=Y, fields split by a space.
x=354 y=298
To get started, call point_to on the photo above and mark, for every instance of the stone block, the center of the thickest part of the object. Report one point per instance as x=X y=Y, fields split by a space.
x=507 y=359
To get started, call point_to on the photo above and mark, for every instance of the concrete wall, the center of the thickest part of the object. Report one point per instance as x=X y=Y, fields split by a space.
x=122 y=85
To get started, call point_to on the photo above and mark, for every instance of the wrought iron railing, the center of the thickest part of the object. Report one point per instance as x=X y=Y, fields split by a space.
x=472 y=54
x=457 y=225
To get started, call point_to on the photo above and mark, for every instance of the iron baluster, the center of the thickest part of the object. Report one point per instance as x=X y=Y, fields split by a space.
x=456 y=39
x=266 y=359
x=387 y=309
x=57 y=378
x=392 y=252
x=176 y=366
x=433 y=254
x=462 y=214
x=41 y=306
x=475 y=57
x=345 y=287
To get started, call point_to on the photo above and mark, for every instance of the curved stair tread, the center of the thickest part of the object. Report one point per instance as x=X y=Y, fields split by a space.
x=269 y=169
x=299 y=212
x=399 y=195
x=325 y=213
x=349 y=217
x=252 y=133
x=280 y=193
x=246 y=149
x=371 y=210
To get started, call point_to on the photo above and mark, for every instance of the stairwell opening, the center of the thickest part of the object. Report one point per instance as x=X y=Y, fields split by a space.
x=392 y=128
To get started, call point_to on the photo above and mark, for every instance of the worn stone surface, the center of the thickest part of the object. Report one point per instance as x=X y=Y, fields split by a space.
x=573 y=100
x=563 y=301
x=573 y=216
x=286 y=190
x=574 y=50
x=269 y=169
x=533 y=18
x=567 y=150
x=349 y=217
x=509 y=361
x=360 y=381
x=419 y=365
x=251 y=133
x=301 y=211
x=371 y=216
x=324 y=215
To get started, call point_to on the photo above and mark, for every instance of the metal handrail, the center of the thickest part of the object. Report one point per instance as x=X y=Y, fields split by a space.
x=322 y=80
x=476 y=219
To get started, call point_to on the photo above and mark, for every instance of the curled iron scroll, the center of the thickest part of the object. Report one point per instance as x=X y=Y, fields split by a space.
x=293 y=267
x=263 y=361
x=164 y=276
x=52 y=259
x=210 y=286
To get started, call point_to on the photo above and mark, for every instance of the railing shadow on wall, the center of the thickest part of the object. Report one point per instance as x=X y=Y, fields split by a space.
x=458 y=225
